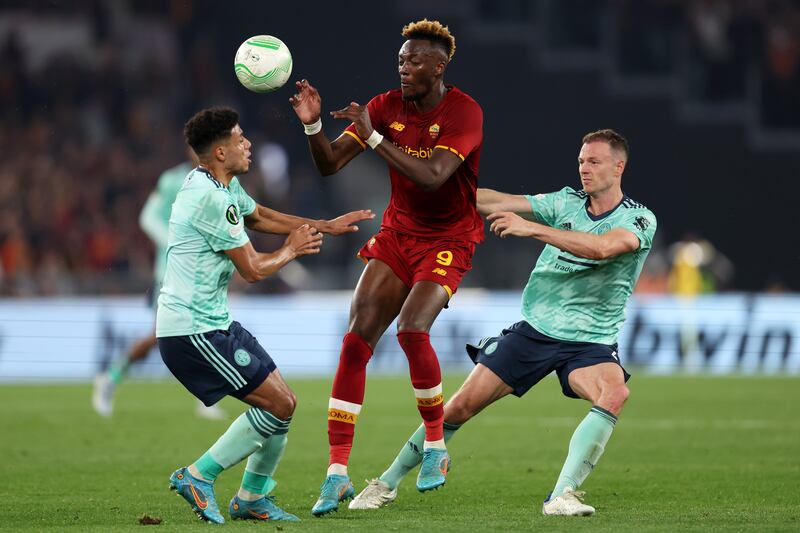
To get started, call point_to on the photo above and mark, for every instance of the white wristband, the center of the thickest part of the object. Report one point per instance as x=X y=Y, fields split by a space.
x=374 y=139
x=313 y=129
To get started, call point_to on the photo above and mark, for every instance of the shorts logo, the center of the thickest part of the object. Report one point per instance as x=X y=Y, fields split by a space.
x=232 y=215
x=397 y=126
x=489 y=350
x=371 y=243
x=440 y=271
x=241 y=357
x=434 y=131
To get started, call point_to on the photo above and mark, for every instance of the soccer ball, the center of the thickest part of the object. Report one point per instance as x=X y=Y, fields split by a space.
x=263 y=63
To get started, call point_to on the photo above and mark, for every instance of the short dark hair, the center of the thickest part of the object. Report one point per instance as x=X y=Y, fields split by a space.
x=611 y=137
x=208 y=126
x=434 y=31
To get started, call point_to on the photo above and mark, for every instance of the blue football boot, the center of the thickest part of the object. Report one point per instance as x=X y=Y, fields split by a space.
x=198 y=493
x=334 y=489
x=263 y=509
x=435 y=465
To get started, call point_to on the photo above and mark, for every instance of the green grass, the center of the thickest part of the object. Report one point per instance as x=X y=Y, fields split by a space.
x=689 y=454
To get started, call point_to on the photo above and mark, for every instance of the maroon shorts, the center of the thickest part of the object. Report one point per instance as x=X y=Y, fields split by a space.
x=412 y=259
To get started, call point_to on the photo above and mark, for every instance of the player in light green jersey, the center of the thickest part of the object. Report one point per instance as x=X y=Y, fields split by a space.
x=154 y=221
x=211 y=354
x=573 y=308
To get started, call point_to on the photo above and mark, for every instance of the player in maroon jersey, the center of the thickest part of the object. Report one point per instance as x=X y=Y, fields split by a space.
x=430 y=134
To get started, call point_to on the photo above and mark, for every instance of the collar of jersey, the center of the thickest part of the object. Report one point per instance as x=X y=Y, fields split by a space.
x=208 y=174
x=601 y=216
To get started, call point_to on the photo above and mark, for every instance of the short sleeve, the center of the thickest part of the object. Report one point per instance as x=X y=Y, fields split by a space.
x=546 y=206
x=246 y=204
x=642 y=223
x=220 y=222
x=375 y=108
x=462 y=131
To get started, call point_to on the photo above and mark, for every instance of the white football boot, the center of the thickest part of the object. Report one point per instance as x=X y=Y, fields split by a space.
x=568 y=503
x=374 y=496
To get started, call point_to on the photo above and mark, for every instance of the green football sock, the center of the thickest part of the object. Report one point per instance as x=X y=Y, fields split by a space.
x=261 y=467
x=585 y=448
x=411 y=455
x=118 y=370
x=246 y=434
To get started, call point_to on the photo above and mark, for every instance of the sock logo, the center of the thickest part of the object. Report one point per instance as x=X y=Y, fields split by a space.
x=341 y=416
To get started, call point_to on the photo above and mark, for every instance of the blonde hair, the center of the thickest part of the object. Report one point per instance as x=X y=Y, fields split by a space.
x=432 y=30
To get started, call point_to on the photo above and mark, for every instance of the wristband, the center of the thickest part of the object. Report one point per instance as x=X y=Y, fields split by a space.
x=374 y=139
x=313 y=129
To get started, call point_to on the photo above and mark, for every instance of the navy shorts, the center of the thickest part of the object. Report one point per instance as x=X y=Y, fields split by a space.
x=217 y=363
x=521 y=357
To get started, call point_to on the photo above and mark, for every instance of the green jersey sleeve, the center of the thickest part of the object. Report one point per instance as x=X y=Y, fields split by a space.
x=219 y=220
x=246 y=204
x=546 y=207
x=642 y=223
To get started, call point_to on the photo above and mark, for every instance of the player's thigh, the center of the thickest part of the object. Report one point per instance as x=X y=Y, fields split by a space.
x=481 y=388
x=377 y=300
x=592 y=382
x=423 y=304
x=273 y=395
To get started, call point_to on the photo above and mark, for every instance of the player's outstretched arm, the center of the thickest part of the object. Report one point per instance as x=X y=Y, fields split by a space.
x=266 y=220
x=428 y=173
x=491 y=201
x=152 y=222
x=255 y=266
x=328 y=156
x=618 y=241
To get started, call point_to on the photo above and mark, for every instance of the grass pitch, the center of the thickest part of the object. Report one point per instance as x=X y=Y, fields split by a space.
x=688 y=454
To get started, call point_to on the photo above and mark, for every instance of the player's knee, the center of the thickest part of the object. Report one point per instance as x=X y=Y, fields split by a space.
x=409 y=324
x=615 y=398
x=284 y=405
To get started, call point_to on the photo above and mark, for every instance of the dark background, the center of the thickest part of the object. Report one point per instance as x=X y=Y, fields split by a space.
x=707 y=93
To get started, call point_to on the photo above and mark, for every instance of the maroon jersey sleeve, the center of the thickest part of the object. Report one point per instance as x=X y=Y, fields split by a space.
x=463 y=131
x=375 y=109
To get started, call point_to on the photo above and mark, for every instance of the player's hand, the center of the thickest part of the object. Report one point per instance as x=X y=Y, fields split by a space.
x=359 y=116
x=303 y=240
x=505 y=223
x=346 y=223
x=306 y=102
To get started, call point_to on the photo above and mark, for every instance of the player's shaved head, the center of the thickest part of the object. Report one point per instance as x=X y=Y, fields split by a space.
x=209 y=126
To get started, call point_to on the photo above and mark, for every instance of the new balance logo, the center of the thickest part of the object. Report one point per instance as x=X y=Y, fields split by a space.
x=566 y=225
x=397 y=126
x=641 y=223
x=440 y=271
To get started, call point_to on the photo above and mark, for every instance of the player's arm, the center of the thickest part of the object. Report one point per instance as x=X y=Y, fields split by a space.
x=490 y=201
x=429 y=174
x=328 y=156
x=615 y=242
x=150 y=220
x=266 y=220
x=255 y=266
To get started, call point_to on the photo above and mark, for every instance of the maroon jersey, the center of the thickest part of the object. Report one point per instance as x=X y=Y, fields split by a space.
x=456 y=124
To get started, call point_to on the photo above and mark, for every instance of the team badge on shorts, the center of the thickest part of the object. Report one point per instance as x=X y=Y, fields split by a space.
x=489 y=350
x=241 y=357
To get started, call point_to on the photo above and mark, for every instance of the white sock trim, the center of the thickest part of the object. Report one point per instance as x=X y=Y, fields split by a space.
x=434 y=444
x=337 y=469
x=342 y=405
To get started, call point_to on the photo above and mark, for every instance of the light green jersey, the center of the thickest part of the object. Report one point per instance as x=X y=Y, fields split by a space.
x=583 y=300
x=207 y=219
x=154 y=218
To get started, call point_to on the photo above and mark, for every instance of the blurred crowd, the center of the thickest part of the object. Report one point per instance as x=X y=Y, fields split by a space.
x=89 y=123
x=726 y=49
